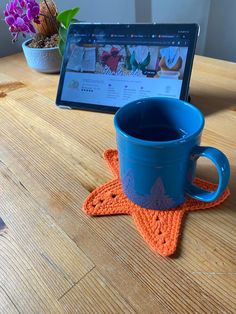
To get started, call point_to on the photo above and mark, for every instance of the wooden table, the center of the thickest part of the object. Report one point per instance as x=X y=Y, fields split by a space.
x=54 y=258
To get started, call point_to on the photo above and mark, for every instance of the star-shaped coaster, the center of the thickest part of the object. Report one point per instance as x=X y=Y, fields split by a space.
x=160 y=229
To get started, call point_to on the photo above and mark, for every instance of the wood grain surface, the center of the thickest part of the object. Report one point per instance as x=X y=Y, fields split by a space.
x=55 y=259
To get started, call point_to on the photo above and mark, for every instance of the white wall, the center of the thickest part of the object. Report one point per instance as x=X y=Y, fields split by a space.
x=217 y=19
x=183 y=11
x=6 y=45
x=143 y=11
x=110 y=11
x=221 y=34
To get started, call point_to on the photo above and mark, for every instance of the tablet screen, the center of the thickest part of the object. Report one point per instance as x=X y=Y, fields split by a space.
x=113 y=66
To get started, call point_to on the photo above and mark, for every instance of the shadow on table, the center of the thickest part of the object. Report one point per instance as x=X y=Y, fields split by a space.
x=209 y=174
x=211 y=103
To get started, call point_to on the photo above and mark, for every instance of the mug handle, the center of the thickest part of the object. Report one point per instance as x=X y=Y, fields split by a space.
x=223 y=168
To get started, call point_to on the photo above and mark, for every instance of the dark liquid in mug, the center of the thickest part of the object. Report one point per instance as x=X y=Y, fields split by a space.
x=157 y=133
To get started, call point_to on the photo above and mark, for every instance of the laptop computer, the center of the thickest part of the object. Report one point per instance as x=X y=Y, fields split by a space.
x=106 y=66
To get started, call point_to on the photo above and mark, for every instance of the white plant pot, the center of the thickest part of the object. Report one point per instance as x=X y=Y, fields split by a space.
x=46 y=60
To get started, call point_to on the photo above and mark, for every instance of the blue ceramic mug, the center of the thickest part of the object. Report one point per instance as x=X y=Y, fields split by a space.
x=158 y=144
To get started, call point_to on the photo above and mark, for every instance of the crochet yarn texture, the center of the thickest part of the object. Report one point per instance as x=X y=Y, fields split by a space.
x=160 y=229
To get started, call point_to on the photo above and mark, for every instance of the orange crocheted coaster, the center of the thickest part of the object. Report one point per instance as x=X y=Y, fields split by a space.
x=160 y=229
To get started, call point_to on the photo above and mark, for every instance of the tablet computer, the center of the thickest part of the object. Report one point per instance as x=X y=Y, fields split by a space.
x=106 y=66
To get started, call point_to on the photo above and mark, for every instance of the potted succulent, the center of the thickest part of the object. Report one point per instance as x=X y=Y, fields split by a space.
x=47 y=28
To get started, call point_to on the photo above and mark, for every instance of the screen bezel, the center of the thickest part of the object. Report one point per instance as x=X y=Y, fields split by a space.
x=191 y=29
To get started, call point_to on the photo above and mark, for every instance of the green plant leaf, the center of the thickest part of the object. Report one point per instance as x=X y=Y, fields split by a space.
x=62 y=33
x=75 y=21
x=65 y=17
x=62 y=45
